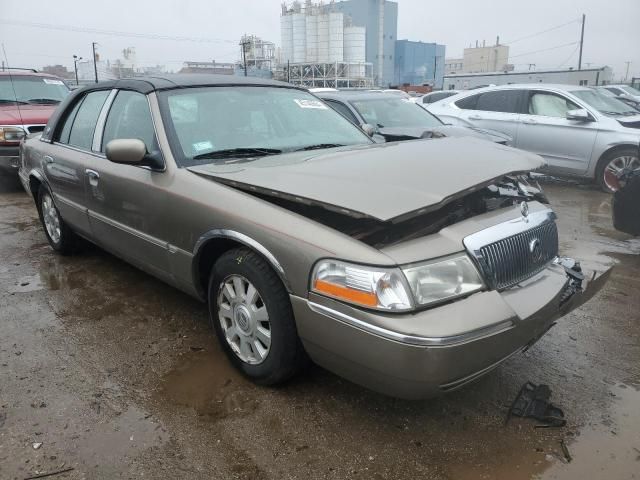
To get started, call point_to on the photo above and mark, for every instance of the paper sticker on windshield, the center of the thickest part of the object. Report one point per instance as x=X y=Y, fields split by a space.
x=52 y=81
x=201 y=147
x=311 y=104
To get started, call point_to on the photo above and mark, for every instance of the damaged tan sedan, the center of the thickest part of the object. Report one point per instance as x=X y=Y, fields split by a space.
x=411 y=268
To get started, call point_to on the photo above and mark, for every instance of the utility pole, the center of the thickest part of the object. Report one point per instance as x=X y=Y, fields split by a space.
x=288 y=72
x=76 y=59
x=626 y=75
x=244 y=43
x=95 y=63
x=581 y=42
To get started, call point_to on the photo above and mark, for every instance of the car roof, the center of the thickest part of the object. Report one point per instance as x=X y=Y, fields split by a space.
x=27 y=73
x=150 y=84
x=527 y=86
x=349 y=95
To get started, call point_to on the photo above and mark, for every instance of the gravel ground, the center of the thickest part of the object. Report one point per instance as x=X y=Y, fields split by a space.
x=111 y=373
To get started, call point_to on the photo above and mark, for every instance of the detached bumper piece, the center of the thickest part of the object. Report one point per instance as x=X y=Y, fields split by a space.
x=533 y=401
x=626 y=210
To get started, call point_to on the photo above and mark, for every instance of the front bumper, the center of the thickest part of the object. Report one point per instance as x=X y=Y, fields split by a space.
x=9 y=160
x=427 y=353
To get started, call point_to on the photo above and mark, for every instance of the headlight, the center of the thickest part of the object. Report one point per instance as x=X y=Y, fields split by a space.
x=11 y=134
x=443 y=279
x=371 y=287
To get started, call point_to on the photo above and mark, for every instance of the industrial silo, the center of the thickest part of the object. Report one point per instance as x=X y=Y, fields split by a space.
x=336 y=37
x=311 y=24
x=354 y=49
x=299 y=37
x=323 y=38
x=286 y=38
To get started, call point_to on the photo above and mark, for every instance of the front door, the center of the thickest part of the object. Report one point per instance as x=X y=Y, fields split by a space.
x=565 y=144
x=127 y=202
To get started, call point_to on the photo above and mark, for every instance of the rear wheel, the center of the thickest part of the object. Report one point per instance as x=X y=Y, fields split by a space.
x=60 y=236
x=614 y=165
x=252 y=316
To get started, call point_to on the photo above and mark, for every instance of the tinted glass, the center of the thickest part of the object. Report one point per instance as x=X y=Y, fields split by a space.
x=342 y=109
x=66 y=128
x=209 y=119
x=468 y=103
x=32 y=90
x=85 y=122
x=130 y=117
x=550 y=105
x=434 y=97
x=499 y=101
x=394 y=112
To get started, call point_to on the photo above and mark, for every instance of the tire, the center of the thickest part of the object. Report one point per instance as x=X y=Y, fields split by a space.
x=60 y=236
x=616 y=159
x=238 y=318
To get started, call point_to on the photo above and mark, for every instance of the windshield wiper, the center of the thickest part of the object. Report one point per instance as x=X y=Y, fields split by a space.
x=319 y=146
x=44 y=101
x=8 y=100
x=238 y=153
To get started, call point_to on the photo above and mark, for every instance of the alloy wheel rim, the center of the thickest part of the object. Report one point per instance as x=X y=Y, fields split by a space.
x=51 y=218
x=616 y=167
x=244 y=319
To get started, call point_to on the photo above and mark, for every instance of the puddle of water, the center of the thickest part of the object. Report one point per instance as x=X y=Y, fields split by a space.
x=609 y=449
x=208 y=383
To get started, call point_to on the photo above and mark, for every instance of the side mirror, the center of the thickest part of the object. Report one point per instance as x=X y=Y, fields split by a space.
x=581 y=115
x=131 y=151
x=368 y=129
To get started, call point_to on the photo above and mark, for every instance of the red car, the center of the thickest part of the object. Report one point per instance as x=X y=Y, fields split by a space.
x=27 y=100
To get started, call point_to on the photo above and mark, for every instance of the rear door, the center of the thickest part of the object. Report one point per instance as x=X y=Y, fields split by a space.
x=565 y=144
x=127 y=202
x=496 y=110
x=67 y=157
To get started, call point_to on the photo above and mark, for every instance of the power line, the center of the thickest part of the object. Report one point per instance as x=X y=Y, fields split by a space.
x=544 y=50
x=570 y=56
x=543 y=31
x=71 y=28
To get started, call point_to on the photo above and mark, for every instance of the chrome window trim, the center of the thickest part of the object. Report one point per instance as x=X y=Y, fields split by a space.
x=102 y=119
x=414 y=340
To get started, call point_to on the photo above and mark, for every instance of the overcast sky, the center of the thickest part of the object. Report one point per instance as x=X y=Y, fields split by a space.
x=612 y=35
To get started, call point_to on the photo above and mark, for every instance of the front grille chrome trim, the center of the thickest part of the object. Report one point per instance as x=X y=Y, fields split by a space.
x=504 y=252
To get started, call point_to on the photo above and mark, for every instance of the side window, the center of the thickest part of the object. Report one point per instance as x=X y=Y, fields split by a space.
x=468 y=103
x=505 y=101
x=84 y=124
x=549 y=105
x=130 y=117
x=343 y=110
x=66 y=128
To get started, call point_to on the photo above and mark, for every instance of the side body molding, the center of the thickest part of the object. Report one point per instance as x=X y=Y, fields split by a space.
x=240 y=238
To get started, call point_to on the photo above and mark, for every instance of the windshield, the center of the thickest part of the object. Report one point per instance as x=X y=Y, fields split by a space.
x=251 y=121
x=631 y=91
x=603 y=103
x=394 y=112
x=32 y=89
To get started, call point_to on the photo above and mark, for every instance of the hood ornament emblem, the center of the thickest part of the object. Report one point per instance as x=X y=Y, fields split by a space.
x=524 y=210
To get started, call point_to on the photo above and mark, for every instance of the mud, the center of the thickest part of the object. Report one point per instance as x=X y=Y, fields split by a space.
x=120 y=376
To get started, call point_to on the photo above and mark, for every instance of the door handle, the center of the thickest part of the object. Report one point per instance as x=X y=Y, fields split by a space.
x=93 y=177
x=475 y=117
x=529 y=121
x=47 y=159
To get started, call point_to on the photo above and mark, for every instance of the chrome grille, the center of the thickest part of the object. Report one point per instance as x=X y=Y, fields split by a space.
x=516 y=258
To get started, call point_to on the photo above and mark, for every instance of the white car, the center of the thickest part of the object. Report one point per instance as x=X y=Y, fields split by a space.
x=578 y=130
x=624 y=91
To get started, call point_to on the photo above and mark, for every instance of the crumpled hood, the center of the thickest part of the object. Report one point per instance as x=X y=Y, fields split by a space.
x=389 y=181
x=27 y=115
x=405 y=133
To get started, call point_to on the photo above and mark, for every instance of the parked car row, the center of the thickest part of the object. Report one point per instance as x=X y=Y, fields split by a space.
x=412 y=268
x=579 y=131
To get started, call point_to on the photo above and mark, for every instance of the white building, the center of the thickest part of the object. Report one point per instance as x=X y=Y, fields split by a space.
x=453 y=66
x=477 y=59
x=586 y=77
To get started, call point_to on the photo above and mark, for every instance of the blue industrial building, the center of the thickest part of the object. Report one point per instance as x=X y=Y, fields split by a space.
x=417 y=63
x=380 y=18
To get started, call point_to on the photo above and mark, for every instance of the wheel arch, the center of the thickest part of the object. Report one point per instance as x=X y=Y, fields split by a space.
x=213 y=244
x=612 y=149
x=35 y=180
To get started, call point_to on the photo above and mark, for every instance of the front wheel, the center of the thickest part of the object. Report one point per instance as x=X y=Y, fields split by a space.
x=613 y=167
x=251 y=314
x=60 y=236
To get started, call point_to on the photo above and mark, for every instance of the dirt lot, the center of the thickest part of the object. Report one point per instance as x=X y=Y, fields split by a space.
x=116 y=375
